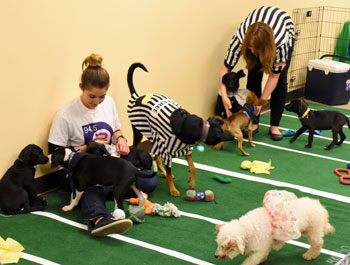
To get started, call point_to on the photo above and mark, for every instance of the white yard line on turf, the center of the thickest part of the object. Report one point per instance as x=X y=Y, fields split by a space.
x=38 y=260
x=306 y=133
x=165 y=251
x=277 y=183
x=169 y=252
x=299 y=152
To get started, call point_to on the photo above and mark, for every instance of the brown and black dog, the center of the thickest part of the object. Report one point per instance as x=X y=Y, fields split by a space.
x=242 y=120
x=170 y=128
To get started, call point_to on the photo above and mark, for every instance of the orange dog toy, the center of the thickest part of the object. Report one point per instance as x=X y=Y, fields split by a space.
x=148 y=204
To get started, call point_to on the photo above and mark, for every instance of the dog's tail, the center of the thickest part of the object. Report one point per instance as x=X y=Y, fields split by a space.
x=146 y=173
x=328 y=229
x=131 y=73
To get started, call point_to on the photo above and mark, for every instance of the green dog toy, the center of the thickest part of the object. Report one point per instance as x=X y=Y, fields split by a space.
x=223 y=179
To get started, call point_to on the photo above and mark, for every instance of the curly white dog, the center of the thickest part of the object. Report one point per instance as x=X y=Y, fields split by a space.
x=282 y=217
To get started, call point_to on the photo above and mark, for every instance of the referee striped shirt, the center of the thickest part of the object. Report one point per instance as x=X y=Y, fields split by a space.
x=152 y=118
x=282 y=26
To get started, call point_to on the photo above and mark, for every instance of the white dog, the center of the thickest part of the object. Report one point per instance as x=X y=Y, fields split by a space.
x=282 y=217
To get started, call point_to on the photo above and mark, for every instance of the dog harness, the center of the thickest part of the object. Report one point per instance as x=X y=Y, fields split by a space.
x=74 y=159
x=151 y=117
x=249 y=110
x=284 y=222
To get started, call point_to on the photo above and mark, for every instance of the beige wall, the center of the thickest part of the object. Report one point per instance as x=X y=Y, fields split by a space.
x=182 y=43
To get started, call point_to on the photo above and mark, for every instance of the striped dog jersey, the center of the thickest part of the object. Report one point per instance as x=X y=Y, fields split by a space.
x=151 y=117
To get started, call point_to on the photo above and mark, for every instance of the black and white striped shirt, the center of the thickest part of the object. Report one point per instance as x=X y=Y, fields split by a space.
x=282 y=26
x=151 y=117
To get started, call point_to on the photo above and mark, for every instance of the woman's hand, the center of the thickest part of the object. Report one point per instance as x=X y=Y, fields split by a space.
x=225 y=100
x=227 y=105
x=101 y=141
x=122 y=146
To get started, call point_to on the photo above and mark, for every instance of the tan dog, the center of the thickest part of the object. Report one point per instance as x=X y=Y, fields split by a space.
x=240 y=120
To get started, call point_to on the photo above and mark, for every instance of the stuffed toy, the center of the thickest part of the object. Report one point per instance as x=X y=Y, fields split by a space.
x=193 y=195
x=257 y=167
x=148 y=204
x=167 y=209
x=10 y=251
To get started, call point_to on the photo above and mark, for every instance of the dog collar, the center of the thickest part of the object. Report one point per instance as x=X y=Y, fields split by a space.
x=205 y=131
x=305 y=114
x=20 y=159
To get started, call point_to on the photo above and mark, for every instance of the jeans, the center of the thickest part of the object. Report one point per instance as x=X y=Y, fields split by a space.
x=93 y=202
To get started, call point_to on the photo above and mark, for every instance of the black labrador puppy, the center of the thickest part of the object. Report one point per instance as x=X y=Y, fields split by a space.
x=16 y=186
x=139 y=158
x=89 y=170
x=170 y=128
x=231 y=82
x=318 y=120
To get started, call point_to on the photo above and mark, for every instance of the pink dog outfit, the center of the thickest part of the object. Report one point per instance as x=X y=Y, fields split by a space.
x=284 y=222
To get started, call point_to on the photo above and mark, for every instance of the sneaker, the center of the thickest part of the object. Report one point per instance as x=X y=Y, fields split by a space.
x=109 y=225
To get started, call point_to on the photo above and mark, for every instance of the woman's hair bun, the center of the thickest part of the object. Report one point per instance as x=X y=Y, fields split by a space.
x=94 y=60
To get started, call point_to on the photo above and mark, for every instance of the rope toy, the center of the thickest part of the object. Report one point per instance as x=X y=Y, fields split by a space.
x=192 y=195
x=166 y=210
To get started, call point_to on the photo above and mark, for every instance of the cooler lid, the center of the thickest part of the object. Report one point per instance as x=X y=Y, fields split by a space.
x=328 y=66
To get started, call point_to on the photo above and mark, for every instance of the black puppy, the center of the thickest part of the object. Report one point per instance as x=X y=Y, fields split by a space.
x=16 y=186
x=139 y=158
x=318 y=120
x=231 y=82
x=170 y=128
x=89 y=170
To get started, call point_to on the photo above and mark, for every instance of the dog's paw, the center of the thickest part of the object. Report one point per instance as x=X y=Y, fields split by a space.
x=67 y=208
x=308 y=256
x=252 y=145
x=308 y=146
x=175 y=193
x=328 y=147
x=292 y=140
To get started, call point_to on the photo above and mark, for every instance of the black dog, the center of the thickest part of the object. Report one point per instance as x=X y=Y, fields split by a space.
x=318 y=120
x=139 y=158
x=170 y=128
x=89 y=170
x=231 y=82
x=16 y=186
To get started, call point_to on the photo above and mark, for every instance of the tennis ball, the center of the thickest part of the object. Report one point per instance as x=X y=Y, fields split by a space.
x=200 y=148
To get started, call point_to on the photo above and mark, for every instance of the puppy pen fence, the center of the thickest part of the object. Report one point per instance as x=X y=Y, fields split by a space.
x=317 y=31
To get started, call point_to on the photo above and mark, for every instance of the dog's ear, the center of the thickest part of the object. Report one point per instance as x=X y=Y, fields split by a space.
x=187 y=127
x=240 y=74
x=225 y=79
x=251 y=98
x=240 y=245
x=26 y=153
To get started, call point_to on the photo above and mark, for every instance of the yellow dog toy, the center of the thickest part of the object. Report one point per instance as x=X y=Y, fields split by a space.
x=10 y=251
x=257 y=167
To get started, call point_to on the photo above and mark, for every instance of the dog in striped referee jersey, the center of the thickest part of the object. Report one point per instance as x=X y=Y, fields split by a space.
x=170 y=128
